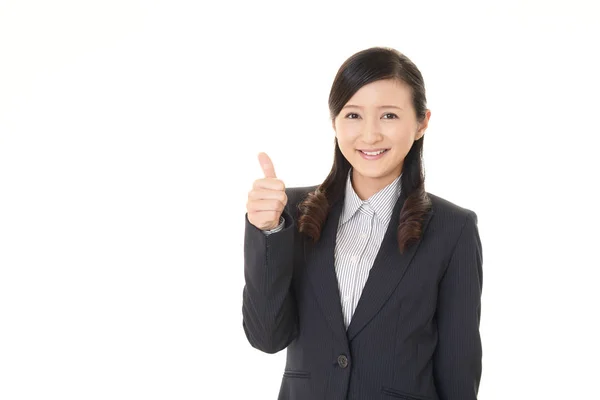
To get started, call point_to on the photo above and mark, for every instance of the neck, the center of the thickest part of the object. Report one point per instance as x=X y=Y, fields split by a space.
x=365 y=187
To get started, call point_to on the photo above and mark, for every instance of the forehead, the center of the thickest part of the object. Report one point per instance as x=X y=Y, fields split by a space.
x=388 y=92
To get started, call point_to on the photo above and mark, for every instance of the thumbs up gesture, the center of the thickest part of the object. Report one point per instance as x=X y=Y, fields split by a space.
x=267 y=198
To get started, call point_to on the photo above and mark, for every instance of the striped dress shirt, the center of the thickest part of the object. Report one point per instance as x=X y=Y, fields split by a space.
x=361 y=228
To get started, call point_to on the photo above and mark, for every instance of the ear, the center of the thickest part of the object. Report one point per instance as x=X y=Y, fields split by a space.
x=423 y=125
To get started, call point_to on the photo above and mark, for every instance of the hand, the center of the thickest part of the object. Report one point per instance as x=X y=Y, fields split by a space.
x=267 y=198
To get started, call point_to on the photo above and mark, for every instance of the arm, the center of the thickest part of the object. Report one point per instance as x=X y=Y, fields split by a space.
x=457 y=358
x=269 y=308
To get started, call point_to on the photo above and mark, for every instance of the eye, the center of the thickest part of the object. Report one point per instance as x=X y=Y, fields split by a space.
x=355 y=116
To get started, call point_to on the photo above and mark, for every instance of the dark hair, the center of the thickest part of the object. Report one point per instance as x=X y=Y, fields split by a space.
x=360 y=69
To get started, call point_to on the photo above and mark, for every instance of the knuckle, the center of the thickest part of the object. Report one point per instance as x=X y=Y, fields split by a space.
x=280 y=206
x=284 y=198
x=258 y=184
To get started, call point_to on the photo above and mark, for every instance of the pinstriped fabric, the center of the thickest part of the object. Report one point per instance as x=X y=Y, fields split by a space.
x=415 y=333
x=361 y=229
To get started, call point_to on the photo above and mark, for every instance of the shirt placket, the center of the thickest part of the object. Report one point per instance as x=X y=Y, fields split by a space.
x=365 y=216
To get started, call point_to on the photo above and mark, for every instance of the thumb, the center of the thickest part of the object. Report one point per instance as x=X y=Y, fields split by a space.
x=266 y=165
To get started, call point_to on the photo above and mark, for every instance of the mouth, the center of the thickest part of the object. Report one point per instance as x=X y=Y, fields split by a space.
x=374 y=154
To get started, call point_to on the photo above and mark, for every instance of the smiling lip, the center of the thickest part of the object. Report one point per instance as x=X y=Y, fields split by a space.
x=371 y=150
x=372 y=157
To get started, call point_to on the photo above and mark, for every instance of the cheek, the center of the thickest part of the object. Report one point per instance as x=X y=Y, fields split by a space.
x=402 y=138
x=346 y=147
x=346 y=137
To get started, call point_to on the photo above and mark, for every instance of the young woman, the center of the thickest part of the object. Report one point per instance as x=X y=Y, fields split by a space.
x=371 y=283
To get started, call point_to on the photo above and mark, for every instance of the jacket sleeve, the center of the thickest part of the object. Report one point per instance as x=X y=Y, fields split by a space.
x=458 y=356
x=269 y=311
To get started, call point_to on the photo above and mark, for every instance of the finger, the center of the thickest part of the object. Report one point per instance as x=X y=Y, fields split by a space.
x=260 y=194
x=266 y=165
x=268 y=184
x=264 y=205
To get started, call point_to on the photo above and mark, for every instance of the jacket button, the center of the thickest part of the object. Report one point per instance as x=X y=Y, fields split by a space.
x=342 y=361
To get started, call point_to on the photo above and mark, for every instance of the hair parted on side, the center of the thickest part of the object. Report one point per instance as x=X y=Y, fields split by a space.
x=360 y=69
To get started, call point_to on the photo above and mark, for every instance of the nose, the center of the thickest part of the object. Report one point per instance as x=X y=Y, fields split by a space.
x=371 y=131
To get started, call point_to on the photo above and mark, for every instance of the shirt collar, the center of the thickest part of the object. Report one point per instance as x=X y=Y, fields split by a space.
x=381 y=203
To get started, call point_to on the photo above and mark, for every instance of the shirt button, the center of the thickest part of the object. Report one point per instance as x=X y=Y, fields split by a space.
x=342 y=361
x=353 y=259
x=363 y=235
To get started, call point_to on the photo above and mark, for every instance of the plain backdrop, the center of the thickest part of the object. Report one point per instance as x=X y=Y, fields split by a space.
x=128 y=139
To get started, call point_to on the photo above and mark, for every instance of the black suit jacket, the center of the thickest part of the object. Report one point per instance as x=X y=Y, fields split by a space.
x=414 y=333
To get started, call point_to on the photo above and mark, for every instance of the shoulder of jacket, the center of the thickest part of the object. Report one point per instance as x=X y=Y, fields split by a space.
x=445 y=209
x=298 y=193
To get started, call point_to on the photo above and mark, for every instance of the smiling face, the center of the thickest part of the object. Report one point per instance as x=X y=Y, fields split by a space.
x=375 y=131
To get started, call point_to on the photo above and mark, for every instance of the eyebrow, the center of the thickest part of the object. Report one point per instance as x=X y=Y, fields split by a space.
x=355 y=106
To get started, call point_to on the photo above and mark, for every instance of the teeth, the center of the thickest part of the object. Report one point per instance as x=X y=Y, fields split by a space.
x=373 y=153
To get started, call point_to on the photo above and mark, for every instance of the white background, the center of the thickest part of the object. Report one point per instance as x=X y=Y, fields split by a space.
x=128 y=140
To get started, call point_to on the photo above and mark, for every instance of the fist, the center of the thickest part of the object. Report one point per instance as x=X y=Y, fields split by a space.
x=267 y=198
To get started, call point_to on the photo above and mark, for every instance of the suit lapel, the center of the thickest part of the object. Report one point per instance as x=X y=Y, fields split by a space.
x=385 y=275
x=321 y=271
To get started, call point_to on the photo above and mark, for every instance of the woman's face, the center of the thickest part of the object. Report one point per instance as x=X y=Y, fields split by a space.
x=375 y=130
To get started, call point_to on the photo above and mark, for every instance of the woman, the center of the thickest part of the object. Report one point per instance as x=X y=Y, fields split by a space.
x=371 y=283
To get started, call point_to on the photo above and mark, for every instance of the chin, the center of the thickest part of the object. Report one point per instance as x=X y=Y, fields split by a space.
x=373 y=173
